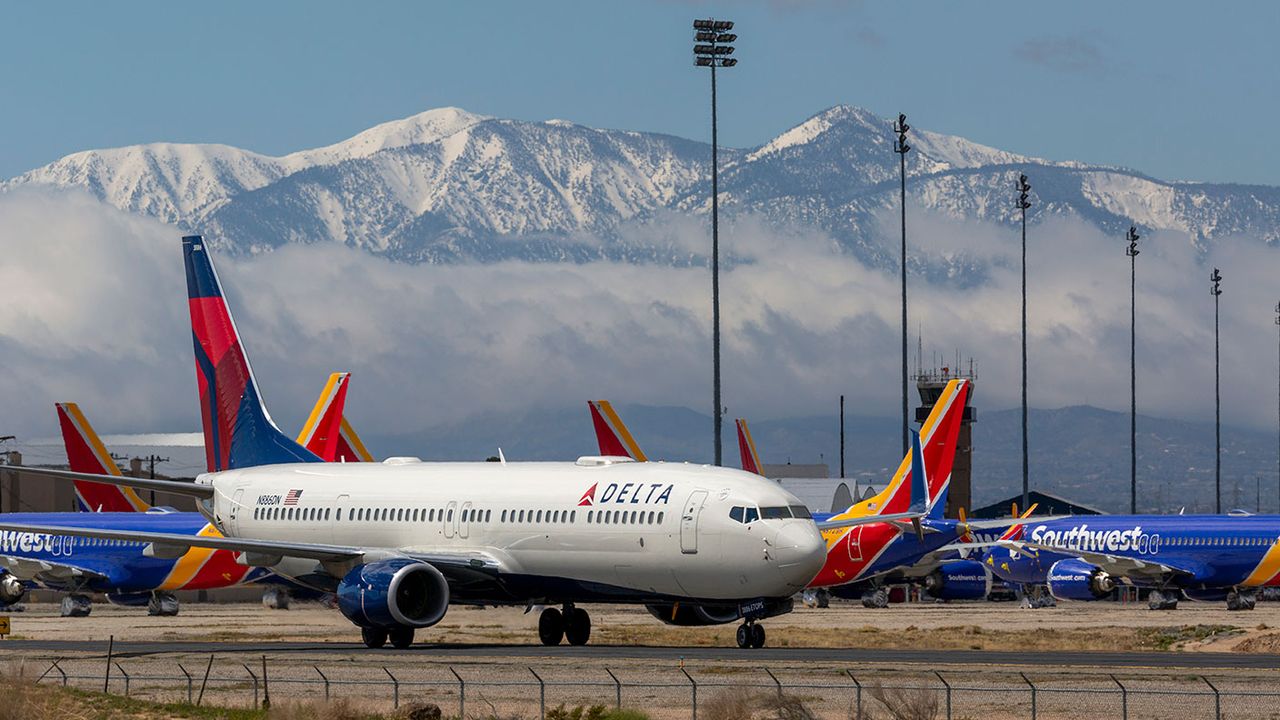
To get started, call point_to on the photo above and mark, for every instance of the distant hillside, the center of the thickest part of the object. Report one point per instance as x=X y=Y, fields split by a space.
x=1081 y=452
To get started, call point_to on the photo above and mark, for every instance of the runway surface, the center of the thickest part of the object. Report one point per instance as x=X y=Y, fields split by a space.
x=926 y=656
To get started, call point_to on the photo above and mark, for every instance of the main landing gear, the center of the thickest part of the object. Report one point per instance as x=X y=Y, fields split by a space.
x=401 y=637
x=876 y=598
x=750 y=635
x=1241 y=600
x=162 y=604
x=76 y=605
x=1164 y=600
x=573 y=624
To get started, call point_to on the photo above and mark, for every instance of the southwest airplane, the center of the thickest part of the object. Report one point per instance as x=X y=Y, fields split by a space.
x=863 y=559
x=401 y=540
x=1204 y=557
x=125 y=571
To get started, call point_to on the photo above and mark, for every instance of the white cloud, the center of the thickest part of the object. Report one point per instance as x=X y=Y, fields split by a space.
x=96 y=314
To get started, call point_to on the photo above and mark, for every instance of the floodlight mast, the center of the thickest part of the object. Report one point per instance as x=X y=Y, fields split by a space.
x=1132 y=251
x=901 y=147
x=1278 y=415
x=1024 y=189
x=1216 y=290
x=712 y=51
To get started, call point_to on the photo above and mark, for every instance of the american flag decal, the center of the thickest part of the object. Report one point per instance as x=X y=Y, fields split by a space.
x=293 y=497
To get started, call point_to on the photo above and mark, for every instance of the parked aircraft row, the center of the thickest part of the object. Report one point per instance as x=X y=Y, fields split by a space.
x=401 y=540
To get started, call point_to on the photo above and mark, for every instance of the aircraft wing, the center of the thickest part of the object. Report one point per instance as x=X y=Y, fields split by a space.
x=48 y=573
x=177 y=487
x=865 y=520
x=448 y=562
x=1118 y=565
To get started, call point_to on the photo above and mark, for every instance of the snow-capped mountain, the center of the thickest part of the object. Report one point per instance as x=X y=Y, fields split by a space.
x=449 y=185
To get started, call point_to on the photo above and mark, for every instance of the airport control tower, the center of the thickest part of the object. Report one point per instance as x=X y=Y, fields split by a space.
x=930 y=384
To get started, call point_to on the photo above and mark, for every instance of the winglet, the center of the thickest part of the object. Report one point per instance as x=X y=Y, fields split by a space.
x=87 y=454
x=238 y=430
x=747 y=448
x=323 y=428
x=611 y=434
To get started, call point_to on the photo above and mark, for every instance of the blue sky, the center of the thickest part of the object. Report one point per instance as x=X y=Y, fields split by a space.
x=1180 y=90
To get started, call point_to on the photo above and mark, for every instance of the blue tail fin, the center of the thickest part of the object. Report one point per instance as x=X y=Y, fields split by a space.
x=919 y=477
x=238 y=431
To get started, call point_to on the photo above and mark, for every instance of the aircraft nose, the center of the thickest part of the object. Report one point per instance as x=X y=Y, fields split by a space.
x=801 y=552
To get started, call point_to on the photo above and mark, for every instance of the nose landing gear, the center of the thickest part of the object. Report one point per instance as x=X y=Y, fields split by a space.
x=750 y=635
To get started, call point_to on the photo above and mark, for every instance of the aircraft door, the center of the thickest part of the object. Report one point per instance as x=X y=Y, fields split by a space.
x=464 y=525
x=450 y=517
x=689 y=522
x=233 y=513
x=854 y=540
x=340 y=512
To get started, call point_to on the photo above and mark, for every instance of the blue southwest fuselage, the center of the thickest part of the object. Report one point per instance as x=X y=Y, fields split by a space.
x=1201 y=551
x=114 y=566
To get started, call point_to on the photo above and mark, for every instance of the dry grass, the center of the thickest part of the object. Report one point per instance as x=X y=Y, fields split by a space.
x=744 y=704
x=907 y=704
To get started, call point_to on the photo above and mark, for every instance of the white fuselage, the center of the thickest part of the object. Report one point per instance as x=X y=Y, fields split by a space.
x=655 y=529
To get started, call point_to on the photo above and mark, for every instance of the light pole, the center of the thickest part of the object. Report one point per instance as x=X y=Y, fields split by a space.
x=1216 y=279
x=1278 y=417
x=1024 y=188
x=901 y=147
x=712 y=50
x=1132 y=252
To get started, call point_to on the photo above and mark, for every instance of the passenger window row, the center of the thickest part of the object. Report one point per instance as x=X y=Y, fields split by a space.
x=1222 y=542
x=470 y=515
x=624 y=517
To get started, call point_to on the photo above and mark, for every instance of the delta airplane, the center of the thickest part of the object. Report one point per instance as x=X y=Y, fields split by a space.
x=401 y=540
x=863 y=559
x=125 y=571
x=1209 y=558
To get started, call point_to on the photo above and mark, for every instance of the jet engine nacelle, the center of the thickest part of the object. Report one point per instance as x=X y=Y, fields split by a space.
x=692 y=615
x=11 y=589
x=399 y=592
x=1075 y=579
x=959 y=580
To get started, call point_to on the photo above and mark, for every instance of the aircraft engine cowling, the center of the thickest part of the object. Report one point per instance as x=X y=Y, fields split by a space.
x=394 y=593
x=11 y=589
x=692 y=615
x=1075 y=579
x=959 y=580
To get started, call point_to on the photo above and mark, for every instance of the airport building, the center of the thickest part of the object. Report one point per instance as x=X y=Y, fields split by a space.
x=930 y=385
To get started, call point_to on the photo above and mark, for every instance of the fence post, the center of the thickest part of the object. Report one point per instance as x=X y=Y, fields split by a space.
x=1217 y=698
x=255 y=684
x=617 y=689
x=947 y=685
x=51 y=668
x=205 y=681
x=326 y=682
x=857 y=694
x=542 y=695
x=266 y=686
x=395 y=688
x=1124 y=698
x=106 y=677
x=1033 y=693
x=126 y=679
x=184 y=672
x=776 y=681
x=462 y=694
x=694 y=685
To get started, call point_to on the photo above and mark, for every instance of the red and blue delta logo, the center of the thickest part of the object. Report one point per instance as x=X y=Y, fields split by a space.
x=588 y=498
x=628 y=494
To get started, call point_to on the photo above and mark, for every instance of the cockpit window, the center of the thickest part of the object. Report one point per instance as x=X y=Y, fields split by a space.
x=775 y=513
x=735 y=513
x=751 y=515
x=801 y=512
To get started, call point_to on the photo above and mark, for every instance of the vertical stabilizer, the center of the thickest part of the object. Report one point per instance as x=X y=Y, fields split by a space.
x=323 y=429
x=747 y=448
x=611 y=434
x=238 y=431
x=87 y=454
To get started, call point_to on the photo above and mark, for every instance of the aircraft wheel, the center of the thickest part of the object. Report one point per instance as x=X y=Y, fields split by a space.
x=1237 y=600
x=162 y=604
x=824 y=598
x=373 y=637
x=401 y=638
x=76 y=605
x=876 y=599
x=276 y=599
x=551 y=626
x=757 y=636
x=577 y=627
x=1165 y=600
x=744 y=635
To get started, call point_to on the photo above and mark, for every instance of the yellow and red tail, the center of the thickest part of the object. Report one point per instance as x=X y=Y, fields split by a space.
x=747 y=448
x=611 y=434
x=87 y=454
x=323 y=429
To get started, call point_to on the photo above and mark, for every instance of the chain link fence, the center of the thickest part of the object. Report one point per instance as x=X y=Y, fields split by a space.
x=480 y=691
